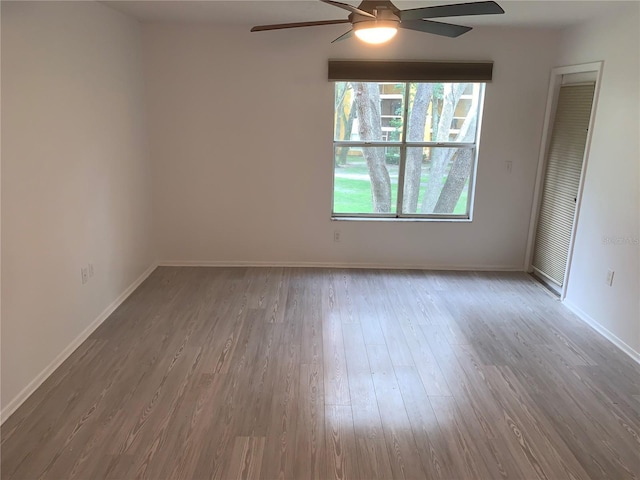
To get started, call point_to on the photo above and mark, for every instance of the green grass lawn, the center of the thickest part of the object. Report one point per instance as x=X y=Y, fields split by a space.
x=353 y=195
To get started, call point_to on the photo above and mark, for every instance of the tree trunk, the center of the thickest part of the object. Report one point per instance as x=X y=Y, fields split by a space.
x=456 y=181
x=461 y=167
x=415 y=133
x=440 y=157
x=435 y=115
x=367 y=102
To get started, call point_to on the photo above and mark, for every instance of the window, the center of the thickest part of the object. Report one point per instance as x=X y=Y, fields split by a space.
x=405 y=150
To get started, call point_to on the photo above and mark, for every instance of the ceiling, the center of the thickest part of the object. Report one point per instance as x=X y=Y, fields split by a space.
x=520 y=13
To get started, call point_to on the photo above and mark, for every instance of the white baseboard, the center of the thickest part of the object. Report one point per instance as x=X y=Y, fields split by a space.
x=586 y=318
x=26 y=392
x=389 y=266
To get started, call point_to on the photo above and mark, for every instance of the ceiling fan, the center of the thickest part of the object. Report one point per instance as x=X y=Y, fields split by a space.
x=377 y=21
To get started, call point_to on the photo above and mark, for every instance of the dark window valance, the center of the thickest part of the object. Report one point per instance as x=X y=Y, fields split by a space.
x=394 y=71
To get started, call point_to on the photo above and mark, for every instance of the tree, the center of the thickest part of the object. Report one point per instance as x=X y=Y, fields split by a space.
x=441 y=157
x=415 y=133
x=367 y=102
x=461 y=164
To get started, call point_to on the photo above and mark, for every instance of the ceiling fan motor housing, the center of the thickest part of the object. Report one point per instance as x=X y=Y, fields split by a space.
x=384 y=18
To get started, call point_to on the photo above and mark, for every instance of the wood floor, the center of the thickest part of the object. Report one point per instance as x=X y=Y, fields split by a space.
x=311 y=373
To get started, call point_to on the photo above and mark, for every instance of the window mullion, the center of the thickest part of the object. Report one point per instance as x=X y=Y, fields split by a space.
x=403 y=150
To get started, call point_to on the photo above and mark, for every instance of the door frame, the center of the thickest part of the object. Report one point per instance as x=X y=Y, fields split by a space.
x=555 y=82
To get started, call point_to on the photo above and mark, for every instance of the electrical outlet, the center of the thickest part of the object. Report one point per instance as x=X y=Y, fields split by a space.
x=336 y=236
x=84 y=273
x=609 y=280
x=91 y=270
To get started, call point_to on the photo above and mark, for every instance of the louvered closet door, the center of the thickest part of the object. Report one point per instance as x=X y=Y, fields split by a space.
x=561 y=181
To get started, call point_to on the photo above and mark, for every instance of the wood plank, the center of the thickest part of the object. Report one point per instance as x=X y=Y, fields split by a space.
x=367 y=308
x=310 y=454
x=433 y=379
x=403 y=453
x=246 y=459
x=466 y=458
x=342 y=456
x=276 y=306
x=345 y=299
x=437 y=460
x=336 y=381
x=373 y=457
x=394 y=339
x=280 y=443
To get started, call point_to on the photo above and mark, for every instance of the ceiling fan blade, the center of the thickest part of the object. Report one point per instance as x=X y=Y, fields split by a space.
x=344 y=36
x=351 y=8
x=280 y=26
x=437 y=28
x=457 y=10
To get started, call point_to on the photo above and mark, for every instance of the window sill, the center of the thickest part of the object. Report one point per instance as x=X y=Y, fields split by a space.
x=401 y=219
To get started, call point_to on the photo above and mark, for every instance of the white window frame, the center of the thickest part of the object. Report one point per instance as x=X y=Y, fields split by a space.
x=403 y=144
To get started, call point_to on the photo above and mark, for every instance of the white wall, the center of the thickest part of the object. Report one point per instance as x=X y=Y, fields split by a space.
x=611 y=199
x=240 y=135
x=75 y=177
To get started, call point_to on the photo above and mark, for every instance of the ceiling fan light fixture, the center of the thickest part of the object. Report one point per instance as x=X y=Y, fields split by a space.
x=376 y=32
